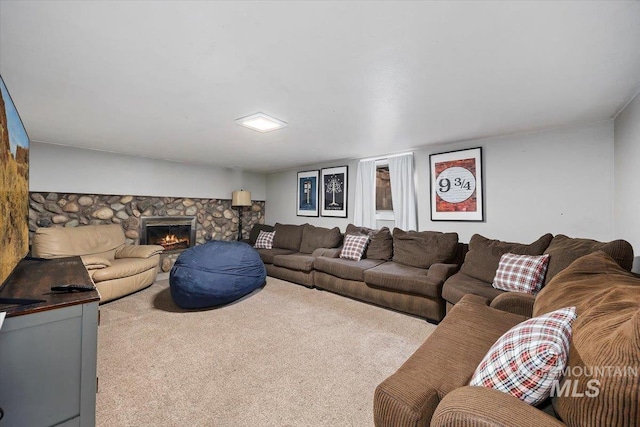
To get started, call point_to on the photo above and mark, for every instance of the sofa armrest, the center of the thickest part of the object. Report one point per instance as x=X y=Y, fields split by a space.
x=399 y=403
x=327 y=252
x=441 y=272
x=515 y=302
x=138 y=251
x=483 y=407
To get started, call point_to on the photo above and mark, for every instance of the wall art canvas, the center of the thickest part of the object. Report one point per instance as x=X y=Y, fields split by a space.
x=334 y=191
x=14 y=186
x=307 y=199
x=456 y=186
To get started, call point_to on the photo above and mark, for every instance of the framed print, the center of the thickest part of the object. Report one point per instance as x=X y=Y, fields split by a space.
x=307 y=199
x=456 y=186
x=334 y=191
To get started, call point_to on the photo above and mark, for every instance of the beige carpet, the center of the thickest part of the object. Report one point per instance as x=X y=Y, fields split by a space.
x=283 y=356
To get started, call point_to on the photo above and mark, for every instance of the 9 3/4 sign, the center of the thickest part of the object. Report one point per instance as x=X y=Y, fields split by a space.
x=456 y=186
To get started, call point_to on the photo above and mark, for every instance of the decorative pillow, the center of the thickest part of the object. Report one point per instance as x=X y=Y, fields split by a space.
x=255 y=230
x=529 y=358
x=521 y=273
x=354 y=246
x=483 y=258
x=380 y=241
x=265 y=240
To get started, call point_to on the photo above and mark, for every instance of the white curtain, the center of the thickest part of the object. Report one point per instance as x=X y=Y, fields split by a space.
x=403 y=192
x=364 y=213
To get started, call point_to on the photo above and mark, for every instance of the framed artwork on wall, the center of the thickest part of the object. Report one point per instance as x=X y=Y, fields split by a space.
x=334 y=191
x=457 y=185
x=307 y=195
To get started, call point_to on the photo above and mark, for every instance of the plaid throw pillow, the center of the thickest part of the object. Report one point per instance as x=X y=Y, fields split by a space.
x=529 y=358
x=354 y=246
x=264 y=240
x=521 y=273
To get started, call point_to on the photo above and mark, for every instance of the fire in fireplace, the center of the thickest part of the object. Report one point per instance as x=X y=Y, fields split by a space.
x=173 y=233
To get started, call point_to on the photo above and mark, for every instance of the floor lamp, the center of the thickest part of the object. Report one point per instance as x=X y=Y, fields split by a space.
x=239 y=200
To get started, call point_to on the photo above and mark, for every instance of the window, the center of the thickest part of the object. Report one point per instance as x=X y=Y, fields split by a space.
x=384 y=202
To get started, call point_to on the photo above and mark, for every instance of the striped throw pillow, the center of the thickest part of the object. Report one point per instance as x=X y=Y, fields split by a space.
x=521 y=273
x=530 y=358
x=264 y=240
x=354 y=246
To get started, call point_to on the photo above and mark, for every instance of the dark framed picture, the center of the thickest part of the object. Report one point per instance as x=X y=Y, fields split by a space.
x=334 y=191
x=307 y=199
x=456 y=185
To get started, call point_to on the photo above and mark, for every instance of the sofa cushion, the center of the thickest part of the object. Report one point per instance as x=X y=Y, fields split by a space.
x=606 y=335
x=421 y=249
x=380 y=242
x=264 y=240
x=319 y=237
x=345 y=268
x=124 y=267
x=403 y=278
x=529 y=358
x=521 y=273
x=288 y=236
x=481 y=262
x=354 y=246
x=266 y=255
x=460 y=284
x=564 y=250
x=298 y=262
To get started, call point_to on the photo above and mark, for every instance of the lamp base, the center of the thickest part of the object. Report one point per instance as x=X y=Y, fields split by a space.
x=239 y=224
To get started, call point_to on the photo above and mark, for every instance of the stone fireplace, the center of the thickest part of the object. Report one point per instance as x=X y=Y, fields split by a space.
x=173 y=233
x=215 y=219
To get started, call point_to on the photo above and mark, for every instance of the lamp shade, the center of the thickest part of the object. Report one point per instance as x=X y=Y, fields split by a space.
x=241 y=198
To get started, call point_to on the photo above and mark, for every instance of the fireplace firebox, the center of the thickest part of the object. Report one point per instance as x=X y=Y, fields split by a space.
x=173 y=233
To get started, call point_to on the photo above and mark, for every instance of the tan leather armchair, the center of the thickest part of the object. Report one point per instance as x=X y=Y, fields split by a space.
x=116 y=269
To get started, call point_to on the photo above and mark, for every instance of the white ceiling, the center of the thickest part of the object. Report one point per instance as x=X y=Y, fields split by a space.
x=353 y=79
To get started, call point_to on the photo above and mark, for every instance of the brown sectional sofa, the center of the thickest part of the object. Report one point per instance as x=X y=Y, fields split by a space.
x=404 y=271
x=431 y=387
x=482 y=259
x=295 y=248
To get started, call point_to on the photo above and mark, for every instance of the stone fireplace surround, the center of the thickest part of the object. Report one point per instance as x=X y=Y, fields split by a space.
x=215 y=218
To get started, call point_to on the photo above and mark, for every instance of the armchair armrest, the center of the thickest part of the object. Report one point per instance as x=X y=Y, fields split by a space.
x=515 y=302
x=484 y=407
x=327 y=252
x=441 y=272
x=138 y=251
x=94 y=262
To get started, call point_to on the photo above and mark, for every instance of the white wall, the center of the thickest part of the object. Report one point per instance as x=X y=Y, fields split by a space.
x=557 y=181
x=627 y=176
x=62 y=169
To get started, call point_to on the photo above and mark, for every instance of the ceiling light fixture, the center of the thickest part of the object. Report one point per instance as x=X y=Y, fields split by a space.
x=261 y=122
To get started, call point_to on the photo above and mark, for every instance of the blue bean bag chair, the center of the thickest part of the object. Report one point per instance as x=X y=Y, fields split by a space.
x=215 y=273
